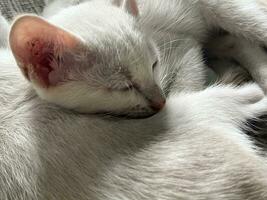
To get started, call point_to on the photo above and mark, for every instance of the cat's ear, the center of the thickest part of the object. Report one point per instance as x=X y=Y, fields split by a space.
x=38 y=46
x=129 y=5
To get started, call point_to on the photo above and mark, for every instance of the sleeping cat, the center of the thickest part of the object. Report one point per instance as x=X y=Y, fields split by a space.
x=108 y=59
x=64 y=65
x=193 y=149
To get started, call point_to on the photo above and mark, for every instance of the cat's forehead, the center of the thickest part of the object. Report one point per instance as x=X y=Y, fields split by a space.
x=110 y=37
x=120 y=56
x=107 y=29
x=107 y=58
x=92 y=17
x=123 y=50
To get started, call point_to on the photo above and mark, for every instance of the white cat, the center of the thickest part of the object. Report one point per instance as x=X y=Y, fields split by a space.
x=113 y=49
x=193 y=149
x=65 y=65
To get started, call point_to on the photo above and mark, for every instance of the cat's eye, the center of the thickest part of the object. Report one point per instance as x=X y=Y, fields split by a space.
x=127 y=88
x=155 y=65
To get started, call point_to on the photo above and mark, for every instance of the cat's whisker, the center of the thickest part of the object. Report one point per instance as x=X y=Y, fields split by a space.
x=172 y=41
x=170 y=47
x=181 y=18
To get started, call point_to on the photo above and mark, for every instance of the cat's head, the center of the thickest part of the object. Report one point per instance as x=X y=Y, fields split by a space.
x=102 y=64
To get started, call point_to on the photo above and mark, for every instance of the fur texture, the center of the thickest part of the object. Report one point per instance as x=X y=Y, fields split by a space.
x=193 y=149
x=251 y=55
x=96 y=66
x=120 y=61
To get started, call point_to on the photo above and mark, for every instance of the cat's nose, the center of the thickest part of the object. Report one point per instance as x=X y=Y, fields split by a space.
x=158 y=105
x=154 y=96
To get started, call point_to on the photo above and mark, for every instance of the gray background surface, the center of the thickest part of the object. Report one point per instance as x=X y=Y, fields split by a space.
x=10 y=8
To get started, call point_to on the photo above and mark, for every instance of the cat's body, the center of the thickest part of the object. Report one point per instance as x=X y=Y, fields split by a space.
x=193 y=149
x=177 y=22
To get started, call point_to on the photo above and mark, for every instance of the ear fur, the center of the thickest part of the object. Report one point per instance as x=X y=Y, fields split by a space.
x=35 y=44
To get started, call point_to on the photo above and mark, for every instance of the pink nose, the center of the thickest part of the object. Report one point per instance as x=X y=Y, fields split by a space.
x=158 y=105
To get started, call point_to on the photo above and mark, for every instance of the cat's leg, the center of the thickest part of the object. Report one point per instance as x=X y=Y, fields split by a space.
x=249 y=55
x=225 y=105
x=226 y=109
x=247 y=18
x=4 y=30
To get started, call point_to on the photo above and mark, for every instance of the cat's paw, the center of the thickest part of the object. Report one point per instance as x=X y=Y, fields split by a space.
x=237 y=104
x=248 y=94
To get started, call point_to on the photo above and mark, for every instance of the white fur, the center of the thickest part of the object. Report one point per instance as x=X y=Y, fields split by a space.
x=123 y=59
x=250 y=55
x=173 y=27
x=193 y=149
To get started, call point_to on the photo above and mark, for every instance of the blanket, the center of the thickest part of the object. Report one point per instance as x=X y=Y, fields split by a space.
x=10 y=8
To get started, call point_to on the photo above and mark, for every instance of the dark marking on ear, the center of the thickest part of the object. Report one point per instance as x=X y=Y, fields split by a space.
x=41 y=53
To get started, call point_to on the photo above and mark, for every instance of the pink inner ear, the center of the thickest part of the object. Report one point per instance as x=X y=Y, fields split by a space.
x=35 y=43
x=40 y=55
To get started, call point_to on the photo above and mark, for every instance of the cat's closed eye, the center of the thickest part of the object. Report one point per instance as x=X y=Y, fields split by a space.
x=127 y=88
x=155 y=64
